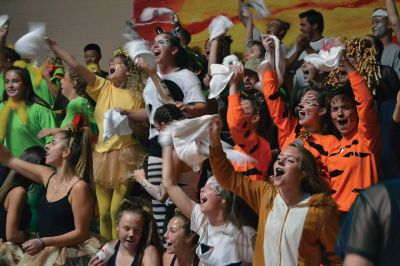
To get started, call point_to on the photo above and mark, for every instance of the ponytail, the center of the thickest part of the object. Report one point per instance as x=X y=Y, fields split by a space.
x=80 y=144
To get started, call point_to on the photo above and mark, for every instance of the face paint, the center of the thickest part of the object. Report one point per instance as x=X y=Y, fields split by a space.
x=162 y=42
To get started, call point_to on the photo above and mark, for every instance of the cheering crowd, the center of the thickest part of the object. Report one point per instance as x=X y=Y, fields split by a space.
x=287 y=155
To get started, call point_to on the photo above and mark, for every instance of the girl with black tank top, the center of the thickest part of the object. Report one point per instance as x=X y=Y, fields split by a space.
x=138 y=243
x=180 y=242
x=66 y=208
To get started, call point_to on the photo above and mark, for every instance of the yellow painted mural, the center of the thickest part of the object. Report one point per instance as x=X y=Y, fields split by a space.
x=344 y=18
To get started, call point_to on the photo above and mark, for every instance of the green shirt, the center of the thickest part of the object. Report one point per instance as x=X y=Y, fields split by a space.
x=20 y=137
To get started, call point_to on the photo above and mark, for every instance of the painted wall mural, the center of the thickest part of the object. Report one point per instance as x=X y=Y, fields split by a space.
x=346 y=18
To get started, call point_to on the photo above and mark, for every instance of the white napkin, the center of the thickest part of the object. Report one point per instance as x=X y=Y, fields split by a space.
x=191 y=142
x=219 y=26
x=279 y=63
x=221 y=74
x=150 y=12
x=32 y=45
x=260 y=7
x=326 y=60
x=139 y=47
x=115 y=124
x=4 y=21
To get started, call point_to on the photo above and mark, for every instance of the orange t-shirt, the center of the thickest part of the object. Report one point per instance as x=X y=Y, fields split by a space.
x=247 y=141
x=352 y=164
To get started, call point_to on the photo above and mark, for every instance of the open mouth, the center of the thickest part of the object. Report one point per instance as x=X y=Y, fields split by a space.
x=306 y=75
x=342 y=122
x=168 y=244
x=203 y=200
x=112 y=70
x=157 y=53
x=279 y=171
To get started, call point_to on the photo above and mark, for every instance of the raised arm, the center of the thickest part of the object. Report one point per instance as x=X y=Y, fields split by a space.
x=156 y=191
x=393 y=17
x=85 y=73
x=3 y=39
x=36 y=173
x=181 y=200
x=367 y=113
x=249 y=191
x=249 y=32
x=279 y=112
x=82 y=202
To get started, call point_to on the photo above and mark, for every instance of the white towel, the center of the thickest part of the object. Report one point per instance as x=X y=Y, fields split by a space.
x=279 y=63
x=219 y=26
x=260 y=7
x=326 y=60
x=4 y=21
x=139 y=47
x=150 y=12
x=191 y=142
x=32 y=45
x=221 y=74
x=115 y=124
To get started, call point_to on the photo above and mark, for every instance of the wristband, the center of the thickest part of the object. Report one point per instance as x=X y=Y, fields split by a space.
x=42 y=244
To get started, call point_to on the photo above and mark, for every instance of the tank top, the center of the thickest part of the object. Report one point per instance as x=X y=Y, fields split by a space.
x=113 y=259
x=195 y=261
x=23 y=224
x=55 y=218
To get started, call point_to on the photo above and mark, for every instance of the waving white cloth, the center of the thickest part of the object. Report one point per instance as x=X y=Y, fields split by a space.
x=137 y=48
x=221 y=74
x=279 y=62
x=219 y=26
x=261 y=9
x=326 y=60
x=150 y=12
x=115 y=124
x=32 y=45
x=191 y=141
x=4 y=21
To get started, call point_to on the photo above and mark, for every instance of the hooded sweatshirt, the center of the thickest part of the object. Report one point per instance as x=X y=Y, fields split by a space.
x=286 y=235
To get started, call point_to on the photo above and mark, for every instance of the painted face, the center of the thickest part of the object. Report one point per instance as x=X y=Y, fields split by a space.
x=274 y=27
x=130 y=228
x=66 y=85
x=255 y=52
x=117 y=70
x=380 y=26
x=309 y=111
x=210 y=196
x=55 y=149
x=287 y=169
x=14 y=85
x=344 y=114
x=92 y=57
x=309 y=71
x=250 y=79
x=306 y=28
x=161 y=47
x=175 y=238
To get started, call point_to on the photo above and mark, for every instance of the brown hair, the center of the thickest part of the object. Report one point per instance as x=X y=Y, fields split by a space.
x=149 y=233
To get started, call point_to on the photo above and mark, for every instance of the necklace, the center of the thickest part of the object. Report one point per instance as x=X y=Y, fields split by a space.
x=63 y=183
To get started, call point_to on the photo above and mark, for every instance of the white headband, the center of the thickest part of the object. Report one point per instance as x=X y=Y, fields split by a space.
x=380 y=13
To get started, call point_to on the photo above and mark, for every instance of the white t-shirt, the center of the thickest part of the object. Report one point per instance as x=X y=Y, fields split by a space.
x=222 y=245
x=188 y=83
